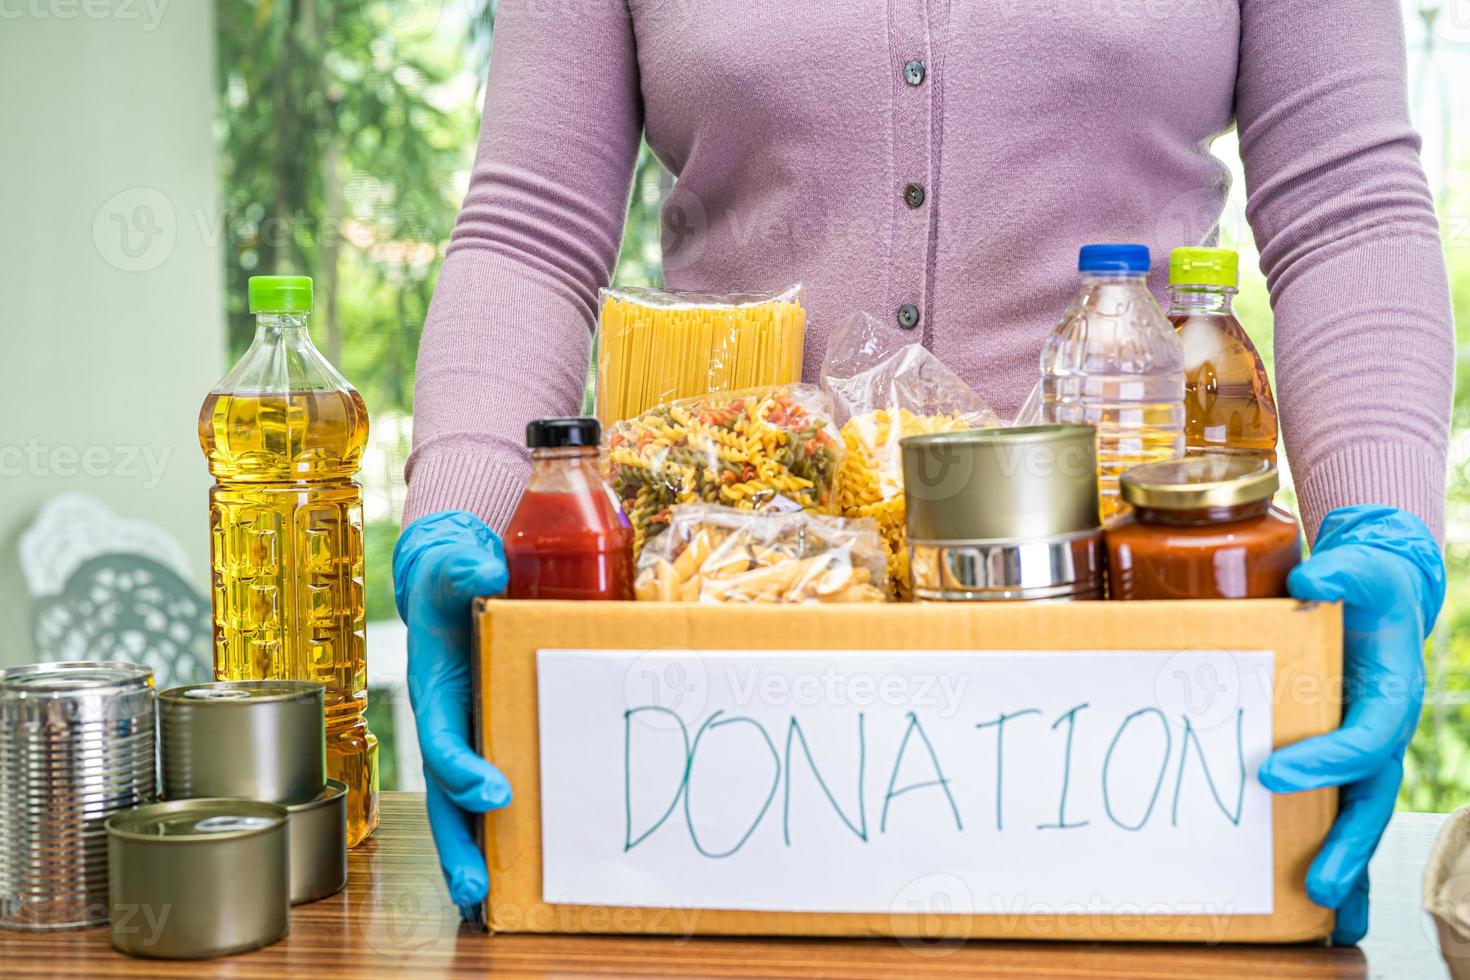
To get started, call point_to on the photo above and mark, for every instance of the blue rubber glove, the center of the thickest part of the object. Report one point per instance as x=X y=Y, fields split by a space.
x=441 y=564
x=1385 y=567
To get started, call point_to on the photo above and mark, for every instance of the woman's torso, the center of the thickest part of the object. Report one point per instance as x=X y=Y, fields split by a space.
x=1038 y=125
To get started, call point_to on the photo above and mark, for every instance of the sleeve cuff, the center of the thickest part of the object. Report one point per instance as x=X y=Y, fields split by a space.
x=486 y=483
x=1402 y=475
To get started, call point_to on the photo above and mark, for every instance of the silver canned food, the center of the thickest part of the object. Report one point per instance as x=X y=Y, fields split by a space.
x=76 y=745
x=192 y=879
x=1003 y=514
x=1060 y=568
x=258 y=740
x=319 y=844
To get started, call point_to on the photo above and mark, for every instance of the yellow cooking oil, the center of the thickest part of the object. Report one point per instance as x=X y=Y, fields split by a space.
x=284 y=435
x=1228 y=403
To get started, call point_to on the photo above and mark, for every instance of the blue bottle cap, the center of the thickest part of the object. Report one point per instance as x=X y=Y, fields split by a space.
x=1113 y=258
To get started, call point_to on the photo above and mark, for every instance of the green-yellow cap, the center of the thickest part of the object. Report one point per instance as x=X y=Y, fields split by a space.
x=1204 y=267
x=279 y=294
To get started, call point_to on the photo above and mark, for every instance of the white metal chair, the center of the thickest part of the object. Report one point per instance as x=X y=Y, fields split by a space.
x=106 y=588
x=109 y=588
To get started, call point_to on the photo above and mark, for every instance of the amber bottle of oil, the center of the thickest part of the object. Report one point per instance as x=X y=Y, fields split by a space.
x=284 y=434
x=1228 y=404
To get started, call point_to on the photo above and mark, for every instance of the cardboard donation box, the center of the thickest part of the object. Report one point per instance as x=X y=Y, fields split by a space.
x=1008 y=770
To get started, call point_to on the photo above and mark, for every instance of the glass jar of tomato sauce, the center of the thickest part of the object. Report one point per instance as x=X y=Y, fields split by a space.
x=1203 y=527
x=568 y=538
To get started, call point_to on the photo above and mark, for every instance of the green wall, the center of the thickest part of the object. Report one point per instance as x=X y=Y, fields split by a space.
x=109 y=343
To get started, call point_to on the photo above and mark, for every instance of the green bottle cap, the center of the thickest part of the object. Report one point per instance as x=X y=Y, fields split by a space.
x=279 y=294
x=1204 y=267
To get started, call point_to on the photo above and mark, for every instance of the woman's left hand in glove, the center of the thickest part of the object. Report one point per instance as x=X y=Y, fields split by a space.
x=1386 y=569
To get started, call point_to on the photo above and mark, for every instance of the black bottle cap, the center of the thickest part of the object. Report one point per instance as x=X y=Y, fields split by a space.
x=561 y=433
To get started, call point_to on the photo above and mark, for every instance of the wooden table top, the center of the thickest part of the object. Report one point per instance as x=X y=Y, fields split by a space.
x=395 y=920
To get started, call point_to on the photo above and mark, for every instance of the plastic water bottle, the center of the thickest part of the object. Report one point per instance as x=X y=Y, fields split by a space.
x=1115 y=363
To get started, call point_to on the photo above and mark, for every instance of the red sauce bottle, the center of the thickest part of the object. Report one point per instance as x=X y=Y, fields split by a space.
x=568 y=539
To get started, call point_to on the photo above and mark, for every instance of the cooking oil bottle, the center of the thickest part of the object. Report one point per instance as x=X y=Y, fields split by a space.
x=1115 y=363
x=1228 y=405
x=284 y=434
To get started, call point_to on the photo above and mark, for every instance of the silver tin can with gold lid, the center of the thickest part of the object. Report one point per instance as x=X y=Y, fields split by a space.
x=76 y=746
x=1004 y=514
x=319 y=844
x=191 y=879
x=259 y=740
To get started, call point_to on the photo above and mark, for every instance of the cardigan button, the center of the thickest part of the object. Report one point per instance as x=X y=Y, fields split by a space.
x=913 y=73
x=908 y=316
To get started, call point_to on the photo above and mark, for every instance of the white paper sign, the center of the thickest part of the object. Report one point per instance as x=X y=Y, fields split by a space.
x=1093 y=782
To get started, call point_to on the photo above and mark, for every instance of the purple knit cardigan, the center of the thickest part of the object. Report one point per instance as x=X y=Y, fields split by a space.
x=799 y=132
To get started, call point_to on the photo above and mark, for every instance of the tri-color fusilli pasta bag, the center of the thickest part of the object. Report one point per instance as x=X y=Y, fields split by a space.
x=762 y=447
x=657 y=346
x=883 y=390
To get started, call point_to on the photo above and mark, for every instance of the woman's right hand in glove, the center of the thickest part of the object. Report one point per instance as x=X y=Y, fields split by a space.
x=441 y=564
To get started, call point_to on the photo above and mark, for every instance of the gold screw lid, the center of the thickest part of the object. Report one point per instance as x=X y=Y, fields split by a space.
x=1001 y=484
x=1200 y=482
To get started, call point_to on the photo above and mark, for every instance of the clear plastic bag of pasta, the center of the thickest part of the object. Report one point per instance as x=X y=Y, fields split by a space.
x=657 y=345
x=762 y=447
x=884 y=389
x=718 y=554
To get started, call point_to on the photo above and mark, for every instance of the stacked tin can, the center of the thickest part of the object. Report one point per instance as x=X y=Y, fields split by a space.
x=76 y=746
x=250 y=822
x=1004 y=514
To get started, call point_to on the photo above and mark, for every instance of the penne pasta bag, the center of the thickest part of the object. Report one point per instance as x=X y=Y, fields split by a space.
x=773 y=447
x=711 y=553
x=884 y=389
x=657 y=345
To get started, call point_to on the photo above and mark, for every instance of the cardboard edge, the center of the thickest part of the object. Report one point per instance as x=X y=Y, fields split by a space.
x=479 y=727
x=547 y=918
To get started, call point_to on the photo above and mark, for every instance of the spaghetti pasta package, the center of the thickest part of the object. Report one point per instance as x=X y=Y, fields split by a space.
x=764 y=447
x=658 y=346
x=718 y=554
x=883 y=391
